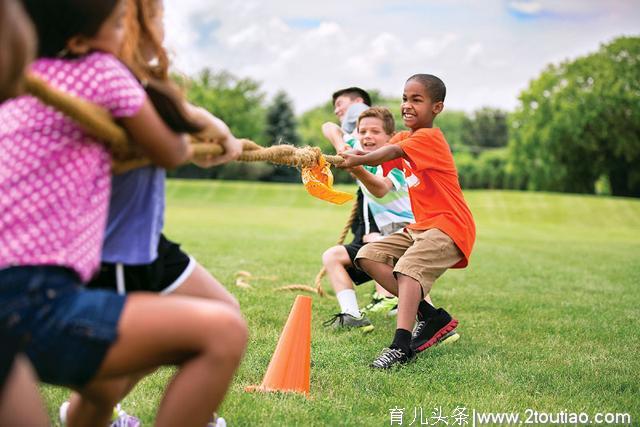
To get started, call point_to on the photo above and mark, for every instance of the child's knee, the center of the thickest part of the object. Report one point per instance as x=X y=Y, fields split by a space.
x=234 y=303
x=364 y=264
x=330 y=256
x=228 y=339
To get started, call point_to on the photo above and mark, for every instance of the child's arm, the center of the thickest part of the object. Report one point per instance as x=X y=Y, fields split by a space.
x=164 y=147
x=377 y=185
x=334 y=134
x=357 y=157
x=219 y=132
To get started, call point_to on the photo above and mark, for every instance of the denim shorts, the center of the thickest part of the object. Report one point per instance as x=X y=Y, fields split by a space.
x=64 y=328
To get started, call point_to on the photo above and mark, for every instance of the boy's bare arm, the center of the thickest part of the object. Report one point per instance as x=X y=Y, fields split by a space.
x=334 y=134
x=357 y=157
x=377 y=185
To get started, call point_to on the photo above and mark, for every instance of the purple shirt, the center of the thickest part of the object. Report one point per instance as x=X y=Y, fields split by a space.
x=54 y=178
x=136 y=216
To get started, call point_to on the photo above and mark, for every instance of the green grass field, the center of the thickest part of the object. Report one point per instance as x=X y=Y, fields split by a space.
x=549 y=309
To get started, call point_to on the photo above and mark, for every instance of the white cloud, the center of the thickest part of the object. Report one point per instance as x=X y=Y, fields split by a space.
x=526 y=7
x=474 y=51
x=484 y=53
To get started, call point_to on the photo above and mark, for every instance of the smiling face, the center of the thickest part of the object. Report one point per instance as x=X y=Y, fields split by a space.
x=342 y=104
x=371 y=133
x=418 y=111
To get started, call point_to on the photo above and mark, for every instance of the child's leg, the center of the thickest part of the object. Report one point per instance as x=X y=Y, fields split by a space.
x=372 y=237
x=336 y=260
x=207 y=339
x=432 y=253
x=82 y=411
x=382 y=291
x=409 y=296
x=93 y=404
x=20 y=403
x=380 y=272
x=201 y=283
x=181 y=274
x=383 y=274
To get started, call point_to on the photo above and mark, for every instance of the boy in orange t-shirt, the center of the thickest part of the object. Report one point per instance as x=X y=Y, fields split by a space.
x=407 y=263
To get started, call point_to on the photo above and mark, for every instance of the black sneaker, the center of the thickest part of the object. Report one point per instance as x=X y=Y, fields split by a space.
x=391 y=357
x=433 y=330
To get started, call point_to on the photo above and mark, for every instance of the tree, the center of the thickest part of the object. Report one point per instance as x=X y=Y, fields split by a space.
x=452 y=123
x=237 y=101
x=281 y=122
x=311 y=126
x=487 y=128
x=580 y=120
x=281 y=129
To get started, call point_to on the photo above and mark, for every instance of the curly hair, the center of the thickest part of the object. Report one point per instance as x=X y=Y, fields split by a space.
x=142 y=42
x=142 y=34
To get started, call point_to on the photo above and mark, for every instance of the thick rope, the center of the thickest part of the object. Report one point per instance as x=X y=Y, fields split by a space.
x=91 y=117
x=97 y=121
x=318 y=280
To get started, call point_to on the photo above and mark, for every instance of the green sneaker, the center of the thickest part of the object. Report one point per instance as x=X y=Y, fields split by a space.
x=380 y=304
x=347 y=321
x=375 y=299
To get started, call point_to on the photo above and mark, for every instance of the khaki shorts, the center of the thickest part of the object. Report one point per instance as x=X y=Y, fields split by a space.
x=420 y=254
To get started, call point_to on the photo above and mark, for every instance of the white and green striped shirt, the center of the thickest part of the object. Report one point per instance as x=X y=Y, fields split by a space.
x=392 y=212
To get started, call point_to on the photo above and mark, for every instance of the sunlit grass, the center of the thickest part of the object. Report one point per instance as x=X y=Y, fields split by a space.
x=548 y=308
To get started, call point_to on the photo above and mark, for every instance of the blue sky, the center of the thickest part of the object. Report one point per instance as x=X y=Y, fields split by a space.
x=486 y=51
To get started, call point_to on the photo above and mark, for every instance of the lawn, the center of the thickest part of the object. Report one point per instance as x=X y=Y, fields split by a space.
x=549 y=310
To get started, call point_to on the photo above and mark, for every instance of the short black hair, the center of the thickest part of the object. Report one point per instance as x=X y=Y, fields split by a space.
x=433 y=85
x=57 y=21
x=353 y=92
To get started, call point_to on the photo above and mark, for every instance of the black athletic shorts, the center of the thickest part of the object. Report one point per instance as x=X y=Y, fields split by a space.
x=164 y=275
x=358 y=230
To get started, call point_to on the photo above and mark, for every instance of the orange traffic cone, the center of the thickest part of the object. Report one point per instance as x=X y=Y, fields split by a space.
x=290 y=365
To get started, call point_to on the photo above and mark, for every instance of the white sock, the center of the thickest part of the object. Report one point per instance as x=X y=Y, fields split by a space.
x=348 y=302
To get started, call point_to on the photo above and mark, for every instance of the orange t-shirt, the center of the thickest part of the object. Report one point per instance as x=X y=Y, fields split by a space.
x=434 y=190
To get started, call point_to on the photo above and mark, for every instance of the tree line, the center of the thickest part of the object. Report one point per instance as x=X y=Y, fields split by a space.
x=576 y=127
